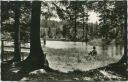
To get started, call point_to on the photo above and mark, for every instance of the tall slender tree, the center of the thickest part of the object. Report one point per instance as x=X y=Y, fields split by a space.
x=17 y=56
x=13 y=24
x=124 y=59
x=85 y=20
x=36 y=58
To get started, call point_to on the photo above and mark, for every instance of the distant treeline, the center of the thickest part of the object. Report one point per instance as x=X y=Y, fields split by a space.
x=59 y=31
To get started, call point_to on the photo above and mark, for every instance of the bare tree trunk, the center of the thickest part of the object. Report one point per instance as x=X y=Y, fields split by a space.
x=83 y=27
x=121 y=66
x=17 y=56
x=123 y=60
x=36 y=58
x=75 y=28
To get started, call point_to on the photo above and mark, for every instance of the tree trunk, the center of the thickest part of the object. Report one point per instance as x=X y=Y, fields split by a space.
x=17 y=56
x=75 y=23
x=83 y=27
x=36 y=58
x=75 y=28
x=123 y=60
x=121 y=66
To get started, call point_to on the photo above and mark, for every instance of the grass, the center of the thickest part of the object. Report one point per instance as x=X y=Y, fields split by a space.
x=71 y=59
x=75 y=63
x=76 y=59
x=75 y=74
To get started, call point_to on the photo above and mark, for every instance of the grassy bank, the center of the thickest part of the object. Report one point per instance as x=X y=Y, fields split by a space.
x=69 y=68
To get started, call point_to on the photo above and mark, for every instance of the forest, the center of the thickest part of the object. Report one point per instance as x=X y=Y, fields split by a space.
x=52 y=40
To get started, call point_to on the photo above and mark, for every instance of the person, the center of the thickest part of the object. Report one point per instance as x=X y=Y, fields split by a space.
x=44 y=38
x=46 y=63
x=93 y=52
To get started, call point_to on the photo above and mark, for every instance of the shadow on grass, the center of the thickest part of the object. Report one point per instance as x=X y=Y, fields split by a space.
x=98 y=74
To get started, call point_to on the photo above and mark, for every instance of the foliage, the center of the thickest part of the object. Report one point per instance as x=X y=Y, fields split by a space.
x=74 y=20
x=112 y=19
x=7 y=16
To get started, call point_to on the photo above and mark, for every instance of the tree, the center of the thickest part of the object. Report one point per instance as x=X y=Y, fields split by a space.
x=12 y=12
x=123 y=60
x=17 y=56
x=36 y=58
x=115 y=18
x=15 y=23
x=85 y=24
x=70 y=11
x=47 y=13
x=118 y=20
x=25 y=21
x=75 y=8
x=7 y=21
